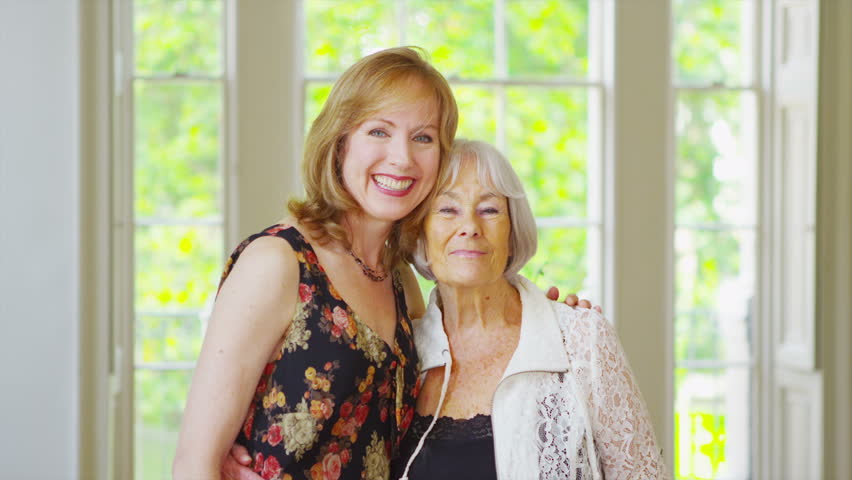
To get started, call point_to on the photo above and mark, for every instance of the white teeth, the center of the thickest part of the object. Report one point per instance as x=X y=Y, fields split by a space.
x=392 y=183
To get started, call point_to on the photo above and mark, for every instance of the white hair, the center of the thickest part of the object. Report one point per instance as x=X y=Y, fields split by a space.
x=494 y=170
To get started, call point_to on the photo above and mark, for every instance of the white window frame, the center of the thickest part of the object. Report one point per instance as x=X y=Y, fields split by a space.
x=264 y=131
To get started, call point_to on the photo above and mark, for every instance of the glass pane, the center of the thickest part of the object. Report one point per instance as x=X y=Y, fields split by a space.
x=177 y=267
x=548 y=38
x=546 y=133
x=315 y=98
x=714 y=300
x=339 y=33
x=712 y=423
x=712 y=41
x=178 y=36
x=561 y=260
x=459 y=36
x=477 y=115
x=160 y=398
x=168 y=338
x=177 y=169
x=716 y=162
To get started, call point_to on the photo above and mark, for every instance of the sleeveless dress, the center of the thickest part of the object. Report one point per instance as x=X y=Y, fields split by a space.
x=455 y=448
x=337 y=399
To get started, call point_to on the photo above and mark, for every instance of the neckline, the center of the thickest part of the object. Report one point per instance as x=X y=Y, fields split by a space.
x=400 y=315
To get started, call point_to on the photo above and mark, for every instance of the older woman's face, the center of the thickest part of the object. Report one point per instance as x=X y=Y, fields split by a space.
x=467 y=232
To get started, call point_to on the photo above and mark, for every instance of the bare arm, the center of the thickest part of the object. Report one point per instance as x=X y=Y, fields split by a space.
x=251 y=314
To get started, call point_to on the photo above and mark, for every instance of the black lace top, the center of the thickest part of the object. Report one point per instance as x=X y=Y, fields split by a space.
x=455 y=448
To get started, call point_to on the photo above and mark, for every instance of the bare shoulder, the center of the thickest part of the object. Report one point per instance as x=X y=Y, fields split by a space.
x=413 y=297
x=264 y=259
x=264 y=279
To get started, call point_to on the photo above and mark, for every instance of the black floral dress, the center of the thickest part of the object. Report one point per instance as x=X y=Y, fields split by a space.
x=337 y=399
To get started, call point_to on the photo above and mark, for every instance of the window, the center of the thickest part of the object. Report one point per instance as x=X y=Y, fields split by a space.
x=551 y=84
x=526 y=78
x=716 y=215
x=173 y=74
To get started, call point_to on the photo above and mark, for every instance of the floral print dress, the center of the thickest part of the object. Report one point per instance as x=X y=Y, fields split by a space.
x=337 y=399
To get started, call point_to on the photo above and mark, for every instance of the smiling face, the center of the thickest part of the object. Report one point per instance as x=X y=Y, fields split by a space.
x=391 y=160
x=467 y=232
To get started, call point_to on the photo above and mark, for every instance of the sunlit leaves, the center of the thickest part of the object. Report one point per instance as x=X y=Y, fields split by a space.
x=177 y=161
x=460 y=39
x=159 y=400
x=711 y=41
x=176 y=267
x=546 y=132
x=562 y=260
x=547 y=38
x=178 y=36
x=338 y=33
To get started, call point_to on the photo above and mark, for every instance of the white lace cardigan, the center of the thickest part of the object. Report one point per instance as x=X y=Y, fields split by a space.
x=567 y=405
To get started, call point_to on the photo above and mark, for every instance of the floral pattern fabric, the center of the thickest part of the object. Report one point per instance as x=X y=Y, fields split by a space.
x=336 y=400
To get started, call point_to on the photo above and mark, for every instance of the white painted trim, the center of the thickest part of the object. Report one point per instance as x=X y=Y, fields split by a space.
x=95 y=249
x=638 y=160
x=121 y=232
x=265 y=104
x=768 y=284
x=834 y=235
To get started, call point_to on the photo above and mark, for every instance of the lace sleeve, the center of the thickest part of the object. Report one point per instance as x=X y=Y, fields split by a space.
x=623 y=434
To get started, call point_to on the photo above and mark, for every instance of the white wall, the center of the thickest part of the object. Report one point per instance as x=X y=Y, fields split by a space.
x=39 y=226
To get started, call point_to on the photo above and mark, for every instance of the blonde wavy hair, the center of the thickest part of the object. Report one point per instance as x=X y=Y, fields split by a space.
x=383 y=80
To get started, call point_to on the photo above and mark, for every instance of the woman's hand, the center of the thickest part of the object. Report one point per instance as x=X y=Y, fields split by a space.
x=571 y=300
x=236 y=465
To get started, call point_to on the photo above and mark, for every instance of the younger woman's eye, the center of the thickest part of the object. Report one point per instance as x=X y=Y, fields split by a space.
x=378 y=132
x=423 y=138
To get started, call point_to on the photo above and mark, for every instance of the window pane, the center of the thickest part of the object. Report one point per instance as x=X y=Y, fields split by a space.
x=459 y=36
x=562 y=260
x=160 y=398
x=714 y=270
x=477 y=113
x=177 y=168
x=178 y=36
x=546 y=133
x=339 y=33
x=712 y=41
x=315 y=97
x=716 y=160
x=547 y=38
x=712 y=423
x=168 y=338
x=177 y=267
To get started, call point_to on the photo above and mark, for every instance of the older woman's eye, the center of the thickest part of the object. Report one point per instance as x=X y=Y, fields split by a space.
x=378 y=132
x=447 y=210
x=489 y=211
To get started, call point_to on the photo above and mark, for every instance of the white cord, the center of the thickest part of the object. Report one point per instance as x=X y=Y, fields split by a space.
x=447 y=367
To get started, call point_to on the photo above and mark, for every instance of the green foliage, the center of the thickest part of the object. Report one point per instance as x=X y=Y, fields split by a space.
x=177 y=158
x=174 y=36
x=547 y=38
x=710 y=39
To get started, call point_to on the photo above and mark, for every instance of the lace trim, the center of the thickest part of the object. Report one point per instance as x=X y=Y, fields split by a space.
x=448 y=428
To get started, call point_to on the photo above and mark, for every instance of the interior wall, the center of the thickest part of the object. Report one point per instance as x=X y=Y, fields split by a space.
x=39 y=226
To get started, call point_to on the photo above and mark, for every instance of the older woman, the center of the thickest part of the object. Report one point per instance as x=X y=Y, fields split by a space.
x=515 y=386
